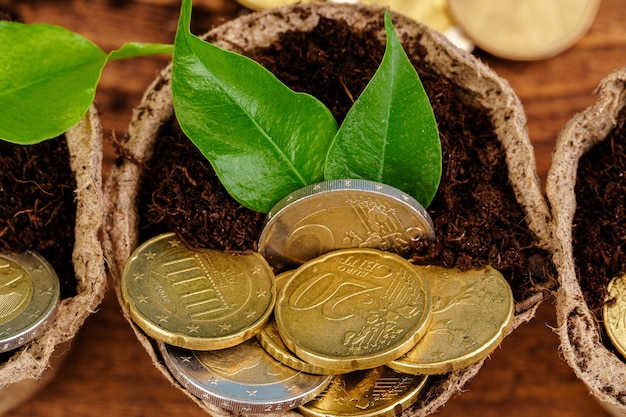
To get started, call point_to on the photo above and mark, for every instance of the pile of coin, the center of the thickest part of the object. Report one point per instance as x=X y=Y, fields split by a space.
x=29 y=298
x=346 y=322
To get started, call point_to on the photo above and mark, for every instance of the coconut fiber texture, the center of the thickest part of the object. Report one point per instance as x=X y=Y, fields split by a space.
x=339 y=47
x=586 y=188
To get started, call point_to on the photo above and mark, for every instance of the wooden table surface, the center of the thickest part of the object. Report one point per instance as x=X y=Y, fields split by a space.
x=107 y=373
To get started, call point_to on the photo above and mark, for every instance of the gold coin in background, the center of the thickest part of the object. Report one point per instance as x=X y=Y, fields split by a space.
x=197 y=300
x=615 y=313
x=353 y=309
x=340 y=214
x=472 y=312
x=526 y=29
x=377 y=392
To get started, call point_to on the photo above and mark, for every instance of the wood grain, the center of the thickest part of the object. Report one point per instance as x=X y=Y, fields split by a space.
x=107 y=373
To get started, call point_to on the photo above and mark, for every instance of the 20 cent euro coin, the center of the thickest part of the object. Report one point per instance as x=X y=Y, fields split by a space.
x=197 y=299
x=341 y=214
x=353 y=309
x=472 y=312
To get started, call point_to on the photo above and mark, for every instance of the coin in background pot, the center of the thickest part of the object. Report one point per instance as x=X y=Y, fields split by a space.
x=615 y=313
x=197 y=300
x=342 y=214
x=353 y=309
x=29 y=297
x=243 y=379
x=472 y=312
x=524 y=30
x=433 y=13
x=377 y=392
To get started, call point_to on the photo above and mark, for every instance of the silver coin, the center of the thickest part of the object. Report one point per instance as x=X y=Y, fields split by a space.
x=29 y=297
x=242 y=379
x=342 y=214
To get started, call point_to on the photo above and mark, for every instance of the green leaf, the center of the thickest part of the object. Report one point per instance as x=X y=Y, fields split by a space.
x=135 y=49
x=48 y=78
x=263 y=140
x=390 y=134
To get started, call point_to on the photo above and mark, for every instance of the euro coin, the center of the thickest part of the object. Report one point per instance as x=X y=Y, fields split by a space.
x=524 y=30
x=242 y=379
x=270 y=340
x=615 y=313
x=433 y=13
x=353 y=309
x=472 y=312
x=378 y=392
x=29 y=298
x=341 y=214
x=197 y=299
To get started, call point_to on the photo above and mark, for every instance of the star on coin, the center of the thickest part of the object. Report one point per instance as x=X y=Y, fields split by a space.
x=138 y=276
x=193 y=328
x=174 y=243
x=150 y=255
x=252 y=392
x=163 y=318
x=142 y=299
x=224 y=327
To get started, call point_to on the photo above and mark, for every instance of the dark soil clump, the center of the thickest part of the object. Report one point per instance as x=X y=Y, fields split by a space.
x=599 y=226
x=37 y=210
x=477 y=219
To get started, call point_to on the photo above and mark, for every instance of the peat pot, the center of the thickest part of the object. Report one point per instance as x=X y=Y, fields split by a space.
x=490 y=208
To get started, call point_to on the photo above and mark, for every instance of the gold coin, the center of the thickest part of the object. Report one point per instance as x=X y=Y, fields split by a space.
x=197 y=300
x=524 y=30
x=472 y=312
x=353 y=309
x=273 y=344
x=265 y=4
x=378 y=392
x=615 y=313
x=29 y=298
x=242 y=379
x=341 y=214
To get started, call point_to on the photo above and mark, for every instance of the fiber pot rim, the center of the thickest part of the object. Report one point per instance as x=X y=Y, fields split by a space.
x=579 y=332
x=481 y=83
x=33 y=361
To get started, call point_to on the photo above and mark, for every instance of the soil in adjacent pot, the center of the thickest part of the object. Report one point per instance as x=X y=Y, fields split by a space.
x=477 y=219
x=599 y=226
x=37 y=210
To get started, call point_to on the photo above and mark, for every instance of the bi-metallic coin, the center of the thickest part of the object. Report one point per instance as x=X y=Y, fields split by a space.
x=353 y=309
x=342 y=214
x=197 y=299
x=377 y=392
x=472 y=312
x=29 y=298
x=615 y=313
x=524 y=30
x=242 y=379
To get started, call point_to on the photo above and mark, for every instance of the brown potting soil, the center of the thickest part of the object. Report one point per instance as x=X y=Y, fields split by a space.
x=476 y=216
x=37 y=210
x=599 y=228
